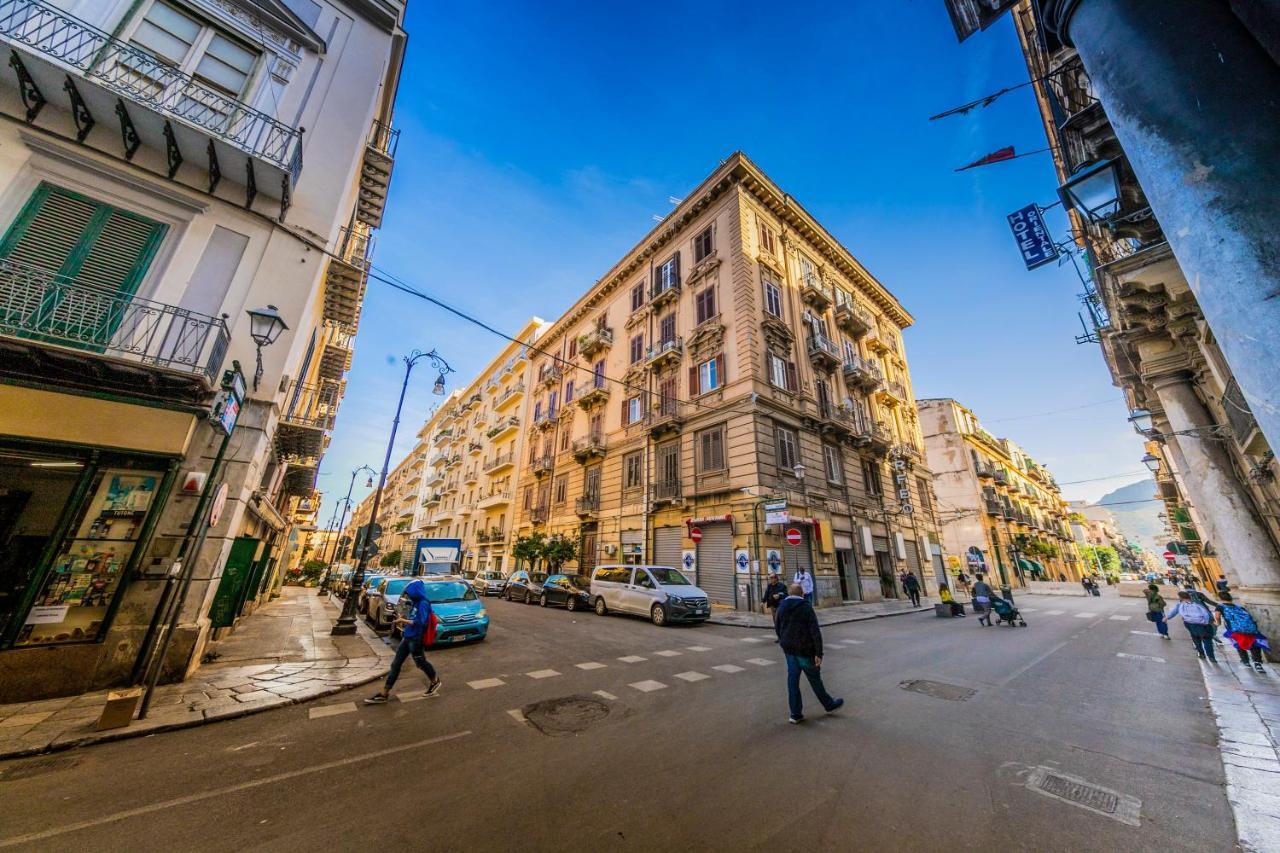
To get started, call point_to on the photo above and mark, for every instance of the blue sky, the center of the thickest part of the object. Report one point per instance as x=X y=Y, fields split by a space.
x=538 y=140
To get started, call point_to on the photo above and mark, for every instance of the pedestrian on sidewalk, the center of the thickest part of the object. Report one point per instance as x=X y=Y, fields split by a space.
x=911 y=584
x=801 y=641
x=1155 y=609
x=1199 y=622
x=413 y=632
x=982 y=600
x=963 y=580
x=805 y=580
x=773 y=595
x=1223 y=586
x=1242 y=631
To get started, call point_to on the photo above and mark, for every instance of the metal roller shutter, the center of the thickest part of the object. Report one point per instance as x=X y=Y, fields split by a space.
x=666 y=546
x=913 y=558
x=800 y=556
x=715 y=563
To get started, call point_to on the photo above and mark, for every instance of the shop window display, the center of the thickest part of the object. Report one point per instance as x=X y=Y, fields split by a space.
x=73 y=603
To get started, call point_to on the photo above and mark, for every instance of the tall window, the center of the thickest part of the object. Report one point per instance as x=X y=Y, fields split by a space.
x=782 y=373
x=573 y=346
x=926 y=497
x=768 y=243
x=633 y=470
x=808 y=273
x=772 y=299
x=637 y=348
x=637 y=296
x=871 y=476
x=564 y=439
x=189 y=44
x=667 y=274
x=707 y=376
x=834 y=466
x=710 y=445
x=568 y=392
x=667 y=458
x=562 y=489
x=705 y=304
x=526 y=500
x=597 y=374
x=702 y=245
x=632 y=411
x=667 y=401
x=788 y=451
x=667 y=328
x=552 y=399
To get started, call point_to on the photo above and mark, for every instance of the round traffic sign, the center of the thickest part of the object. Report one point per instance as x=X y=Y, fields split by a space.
x=1169 y=555
x=695 y=533
x=793 y=536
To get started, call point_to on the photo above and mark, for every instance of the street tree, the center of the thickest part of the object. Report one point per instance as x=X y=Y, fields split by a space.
x=529 y=549
x=390 y=559
x=558 y=551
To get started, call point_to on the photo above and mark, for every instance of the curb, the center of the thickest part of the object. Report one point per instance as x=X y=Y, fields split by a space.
x=821 y=624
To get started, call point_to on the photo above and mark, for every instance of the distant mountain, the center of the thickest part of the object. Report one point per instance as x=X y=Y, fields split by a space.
x=1139 y=522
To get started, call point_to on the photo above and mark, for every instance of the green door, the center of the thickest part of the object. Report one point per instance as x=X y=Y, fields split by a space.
x=68 y=267
x=235 y=577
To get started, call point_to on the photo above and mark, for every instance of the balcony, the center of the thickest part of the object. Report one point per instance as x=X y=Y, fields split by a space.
x=450 y=486
x=1000 y=477
x=597 y=395
x=549 y=376
x=666 y=352
x=862 y=373
x=475 y=448
x=501 y=462
x=61 y=324
x=880 y=437
x=542 y=465
x=435 y=478
x=503 y=428
x=1009 y=513
x=877 y=342
x=466 y=405
x=992 y=507
x=587 y=506
x=839 y=420
x=443 y=436
x=892 y=393
x=375 y=174
x=665 y=492
x=984 y=470
x=662 y=293
x=508 y=397
x=346 y=275
x=104 y=79
x=666 y=417
x=594 y=341
x=588 y=447
x=453 y=461
x=493 y=535
x=306 y=415
x=543 y=421
x=495 y=498
x=539 y=514
x=432 y=499
x=471 y=476
x=823 y=352
x=815 y=294
x=854 y=319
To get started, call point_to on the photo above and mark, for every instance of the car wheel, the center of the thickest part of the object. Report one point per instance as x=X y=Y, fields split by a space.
x=528 y=597
x=659 y=615
x=601 y=608
x=571 y=603
x=542 y=600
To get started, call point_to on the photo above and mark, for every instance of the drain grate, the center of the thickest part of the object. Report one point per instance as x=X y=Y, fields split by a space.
x=938 y=689
x=37 y=767
x=566 y=716
x=1080 y=793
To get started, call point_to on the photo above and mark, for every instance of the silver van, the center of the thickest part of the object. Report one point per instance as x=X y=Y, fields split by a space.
x=659 y=592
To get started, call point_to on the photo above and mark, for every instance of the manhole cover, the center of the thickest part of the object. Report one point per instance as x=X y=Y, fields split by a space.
x=565 y=716
x=37 y=767
x=1084 y=794
x=938 y=689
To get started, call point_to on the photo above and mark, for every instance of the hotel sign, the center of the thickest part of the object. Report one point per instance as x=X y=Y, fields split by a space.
x=1034 y=242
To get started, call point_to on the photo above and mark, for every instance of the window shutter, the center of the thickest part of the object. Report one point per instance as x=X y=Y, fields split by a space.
x=793 y=381
x=721 y=377
x=625 y=411
x=693 y=381
x=676 y=277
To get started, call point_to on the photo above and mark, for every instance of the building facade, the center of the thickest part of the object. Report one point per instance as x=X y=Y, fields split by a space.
x=158 y=184
x=1217 y=468
x=732 y=396
x=1002 y=512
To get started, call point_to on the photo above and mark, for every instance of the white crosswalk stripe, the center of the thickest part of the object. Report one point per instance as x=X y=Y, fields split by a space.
x=331 y=710
x=517 y=715
x=760 y=661
x=1085 y=615
x=542 y=673
x=486 y=683
x=648 y=686
x=1118 y=618
x=698 y=648
x=728 y=667
x=1146 y=633
x=667 y=653
x=692 y=676
x=1140 y=657
x=1028 y=609
x=632 y=659
x=605 y=694
x=751 y=639
x=1054 y=612
x=590 y=665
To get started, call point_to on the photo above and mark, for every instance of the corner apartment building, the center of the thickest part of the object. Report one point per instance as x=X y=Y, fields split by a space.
x=738 y=355
x=1218 y=470
x=157 y=184
x=1000 y=509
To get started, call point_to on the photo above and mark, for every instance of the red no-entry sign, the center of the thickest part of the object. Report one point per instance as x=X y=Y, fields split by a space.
x=695 y=533
x=793 y=536
x=1169 y=555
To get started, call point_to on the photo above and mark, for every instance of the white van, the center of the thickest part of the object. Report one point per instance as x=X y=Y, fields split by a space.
x=659 y=592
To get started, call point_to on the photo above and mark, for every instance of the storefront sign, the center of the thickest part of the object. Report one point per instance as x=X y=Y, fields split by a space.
x=689 y=559
x=742 y=561
x=48 y=615
x=774 y=559
x=1033 y=238
x=225 y=412
x=777 y=516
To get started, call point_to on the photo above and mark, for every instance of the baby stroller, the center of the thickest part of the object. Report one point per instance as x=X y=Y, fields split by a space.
x=1006 y=612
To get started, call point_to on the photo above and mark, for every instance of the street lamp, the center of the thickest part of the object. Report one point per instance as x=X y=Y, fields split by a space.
x=265 y=325
x=1143 y=423
x=1094 y=191
x=346 y=505
x=346 y=623
x=798 y=470
x=1152 y=462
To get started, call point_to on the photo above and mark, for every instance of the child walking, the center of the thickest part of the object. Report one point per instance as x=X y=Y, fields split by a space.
x=1242 y=631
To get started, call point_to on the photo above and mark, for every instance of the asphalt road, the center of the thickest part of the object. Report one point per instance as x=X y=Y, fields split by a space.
x=702 y=760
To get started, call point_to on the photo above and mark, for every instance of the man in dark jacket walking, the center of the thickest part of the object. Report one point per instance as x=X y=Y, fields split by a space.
x=411 y=641
x=911 y=584
x=773 y=595
x=801 y=641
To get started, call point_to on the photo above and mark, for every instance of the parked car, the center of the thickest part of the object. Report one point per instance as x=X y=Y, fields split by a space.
x=524 y=586
x=573 y=591
x=383 y=598
x=459 y=613
x=362 y=596
x=659 y=592
x=489 y=583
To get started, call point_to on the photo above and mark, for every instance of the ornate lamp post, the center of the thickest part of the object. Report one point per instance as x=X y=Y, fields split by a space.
x=265 y=325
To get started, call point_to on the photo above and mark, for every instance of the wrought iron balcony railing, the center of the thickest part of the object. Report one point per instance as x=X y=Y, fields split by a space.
x=39 y=305
x=383 y=138
x=311 y=406
x=42 y=28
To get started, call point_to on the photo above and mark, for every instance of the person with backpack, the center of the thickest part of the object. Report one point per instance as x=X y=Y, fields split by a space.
x=1199 y=622
x=1242 y=631
x=415 y=629
x=1155 y=610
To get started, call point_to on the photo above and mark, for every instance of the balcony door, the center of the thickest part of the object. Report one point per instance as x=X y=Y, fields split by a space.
x=69 y=266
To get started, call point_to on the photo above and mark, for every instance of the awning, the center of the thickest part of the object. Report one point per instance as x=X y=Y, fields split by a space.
x=1026 y=565
x=1038 y=567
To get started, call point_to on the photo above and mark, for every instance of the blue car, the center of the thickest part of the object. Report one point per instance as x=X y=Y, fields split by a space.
x=460 y=613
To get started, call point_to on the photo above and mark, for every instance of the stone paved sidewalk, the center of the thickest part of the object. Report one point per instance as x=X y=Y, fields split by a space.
x=280 y=655
x=826 y=615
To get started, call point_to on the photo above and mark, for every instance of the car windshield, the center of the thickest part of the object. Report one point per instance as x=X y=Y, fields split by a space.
x=395 y=587
x=580 y=581
x=491 y=576
x=669 y=577
x=443 y=591
x=538 y=577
